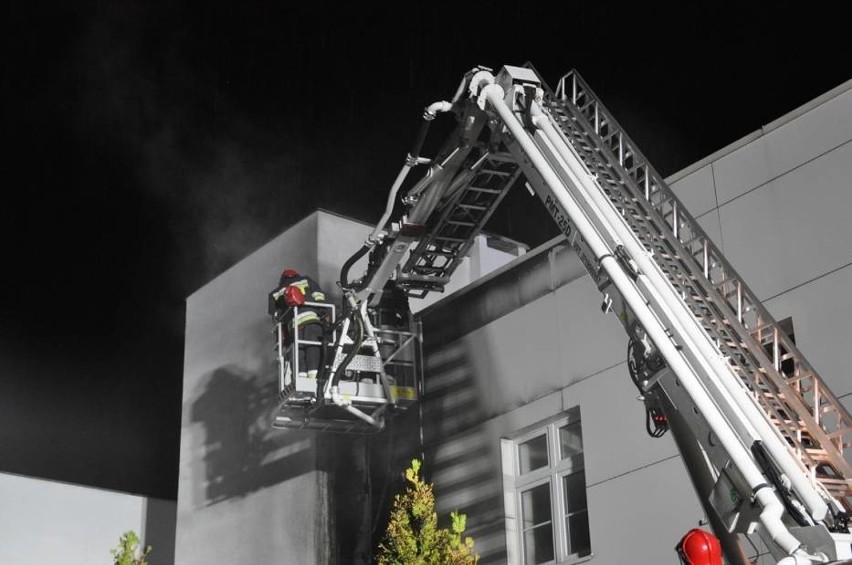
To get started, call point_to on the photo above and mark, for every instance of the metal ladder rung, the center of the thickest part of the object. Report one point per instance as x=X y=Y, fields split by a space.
x=835 y=486
x=485 y=190
x=777 y=397
x=440 y=252
x=697 y=238
x=461 y=223
x=818 y=455
x=472 y=206
x=495 y=172
x=785 y=422
x=761 y=327
x=427 y=284
x=834 y=481
x=501 y=157
x=840 y=432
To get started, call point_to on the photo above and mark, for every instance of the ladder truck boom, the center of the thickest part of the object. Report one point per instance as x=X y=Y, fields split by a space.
x=761 y=435
x=697 y=382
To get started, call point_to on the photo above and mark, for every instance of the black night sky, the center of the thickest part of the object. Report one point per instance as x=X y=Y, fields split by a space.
x=150 y=146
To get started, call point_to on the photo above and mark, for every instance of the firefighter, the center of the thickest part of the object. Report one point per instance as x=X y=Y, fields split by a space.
x=699 y=547
x=294 y=290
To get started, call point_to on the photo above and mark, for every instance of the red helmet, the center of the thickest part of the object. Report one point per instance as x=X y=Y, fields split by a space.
x=289 y=273
x=698 y=547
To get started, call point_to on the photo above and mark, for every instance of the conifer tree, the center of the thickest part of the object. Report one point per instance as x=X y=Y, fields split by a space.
x=129 y=551
x=413 y=536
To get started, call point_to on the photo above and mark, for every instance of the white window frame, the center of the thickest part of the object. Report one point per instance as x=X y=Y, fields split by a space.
x=515 y=483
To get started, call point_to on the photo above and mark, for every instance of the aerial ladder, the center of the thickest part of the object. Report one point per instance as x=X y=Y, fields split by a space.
x=763 y=438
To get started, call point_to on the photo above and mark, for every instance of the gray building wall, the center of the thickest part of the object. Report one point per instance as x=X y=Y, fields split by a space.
x=45 y=521
x=530 y=342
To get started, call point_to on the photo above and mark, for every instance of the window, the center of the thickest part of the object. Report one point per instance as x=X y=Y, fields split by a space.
x=545 y=493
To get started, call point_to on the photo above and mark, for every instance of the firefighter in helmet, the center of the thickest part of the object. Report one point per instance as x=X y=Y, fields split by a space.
x=295 y=290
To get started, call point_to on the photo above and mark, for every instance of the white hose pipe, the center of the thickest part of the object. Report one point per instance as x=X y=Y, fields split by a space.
x=435 y=108
x=373 y=238
x=720 y=370
x=411 y=161
x=772 y=508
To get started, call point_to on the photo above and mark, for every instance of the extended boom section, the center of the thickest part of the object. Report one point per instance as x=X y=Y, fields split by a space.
x=804 y=410
x=759 y=461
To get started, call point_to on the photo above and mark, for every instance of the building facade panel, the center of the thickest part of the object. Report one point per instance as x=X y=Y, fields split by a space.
x=558 y=339
x=697 y=191
x=741 y=170
x=817 y=131
x=613 y=418
x=793 y=229
x=712 y=226
x=639 y=517
x=821 y=311
x=786 y=144
x=589 y=340
x=514 y=359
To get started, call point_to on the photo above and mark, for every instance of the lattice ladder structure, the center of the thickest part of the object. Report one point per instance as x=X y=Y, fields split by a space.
x=465 y=210
x=814 y=423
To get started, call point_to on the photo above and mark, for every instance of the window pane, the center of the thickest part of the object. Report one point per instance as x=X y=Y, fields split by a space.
x=538 y=545
x=570 y=440
x=574 y=489
x=535 y=506
x=533 y=454
x=578 y=534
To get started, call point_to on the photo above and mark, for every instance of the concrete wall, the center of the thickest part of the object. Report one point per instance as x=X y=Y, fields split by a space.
x=48 y=522
x=246 y=493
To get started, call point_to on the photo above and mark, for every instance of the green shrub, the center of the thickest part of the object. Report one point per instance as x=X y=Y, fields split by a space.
x=413 y=536
x=129 y=551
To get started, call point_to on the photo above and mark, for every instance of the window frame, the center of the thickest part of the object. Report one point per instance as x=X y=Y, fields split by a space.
x=515 y=484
